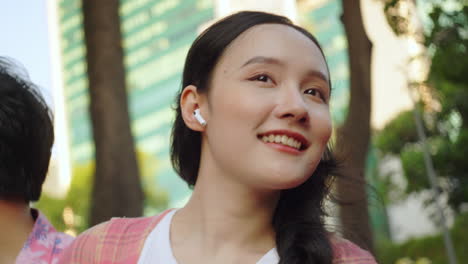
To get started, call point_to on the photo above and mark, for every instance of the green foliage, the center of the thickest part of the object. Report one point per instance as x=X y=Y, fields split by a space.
x=447 y=129
x=53 y=209
x=413 y=165
x=448 y=75
x=449 y=40
x=156 y=198
x=431 y=247
x=78 y=197
x=398 y=132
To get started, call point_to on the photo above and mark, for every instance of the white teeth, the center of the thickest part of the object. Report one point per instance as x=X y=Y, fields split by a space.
x=278 y=139
x=271 y=138
x=282 y=139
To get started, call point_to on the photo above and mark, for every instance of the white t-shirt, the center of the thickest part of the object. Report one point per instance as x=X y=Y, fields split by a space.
x=157 y=248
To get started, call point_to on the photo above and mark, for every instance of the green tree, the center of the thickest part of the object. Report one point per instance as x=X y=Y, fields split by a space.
x=446 y=38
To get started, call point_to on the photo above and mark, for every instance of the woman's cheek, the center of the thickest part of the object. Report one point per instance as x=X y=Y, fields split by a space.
x=322 y=124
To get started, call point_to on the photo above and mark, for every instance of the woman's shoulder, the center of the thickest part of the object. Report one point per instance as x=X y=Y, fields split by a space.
x=118 y=240
x=347 y=252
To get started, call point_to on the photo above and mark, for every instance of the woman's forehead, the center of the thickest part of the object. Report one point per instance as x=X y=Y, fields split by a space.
x=280 y=43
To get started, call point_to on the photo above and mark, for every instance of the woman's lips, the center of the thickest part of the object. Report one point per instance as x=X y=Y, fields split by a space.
x=285 y=138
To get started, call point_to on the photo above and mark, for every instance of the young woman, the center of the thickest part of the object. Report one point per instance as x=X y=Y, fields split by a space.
x=250 y=135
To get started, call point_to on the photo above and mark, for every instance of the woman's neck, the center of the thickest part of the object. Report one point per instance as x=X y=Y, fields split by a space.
x=16 y=224
x=225 y=216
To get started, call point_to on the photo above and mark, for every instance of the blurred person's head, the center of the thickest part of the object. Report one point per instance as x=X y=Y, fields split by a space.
x=254 y=76
x=26 y=136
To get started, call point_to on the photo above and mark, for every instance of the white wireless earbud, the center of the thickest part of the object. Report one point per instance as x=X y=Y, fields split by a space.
x=199 y=117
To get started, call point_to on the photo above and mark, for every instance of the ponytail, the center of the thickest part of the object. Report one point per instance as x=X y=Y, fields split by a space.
x=301 y=236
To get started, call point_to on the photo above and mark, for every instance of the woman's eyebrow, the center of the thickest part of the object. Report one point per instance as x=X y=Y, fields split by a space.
x=262 y=60
x=319 y=75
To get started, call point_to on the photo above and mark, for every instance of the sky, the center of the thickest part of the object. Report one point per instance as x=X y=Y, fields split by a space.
x=23 y=30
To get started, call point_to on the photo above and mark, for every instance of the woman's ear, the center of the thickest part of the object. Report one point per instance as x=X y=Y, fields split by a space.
x=191 y=104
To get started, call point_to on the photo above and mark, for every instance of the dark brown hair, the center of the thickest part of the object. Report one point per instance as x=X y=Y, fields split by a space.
x=26 y=136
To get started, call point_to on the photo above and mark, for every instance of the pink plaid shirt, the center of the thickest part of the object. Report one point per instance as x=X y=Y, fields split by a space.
x=44 y=245
x=121 y=240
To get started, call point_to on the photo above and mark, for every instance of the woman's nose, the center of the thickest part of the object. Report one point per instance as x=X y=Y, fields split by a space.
x=292 y=106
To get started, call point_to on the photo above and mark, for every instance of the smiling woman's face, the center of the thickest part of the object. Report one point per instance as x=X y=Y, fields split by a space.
x=268 y=108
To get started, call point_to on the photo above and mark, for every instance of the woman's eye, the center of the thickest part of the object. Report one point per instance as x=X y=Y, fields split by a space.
x=315 y=92
x=262 y=78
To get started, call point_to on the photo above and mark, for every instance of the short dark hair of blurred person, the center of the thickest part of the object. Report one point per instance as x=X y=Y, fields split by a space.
x=26 y=138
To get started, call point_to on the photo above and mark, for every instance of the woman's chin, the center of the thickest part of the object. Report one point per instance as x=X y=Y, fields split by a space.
x=286 y=182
